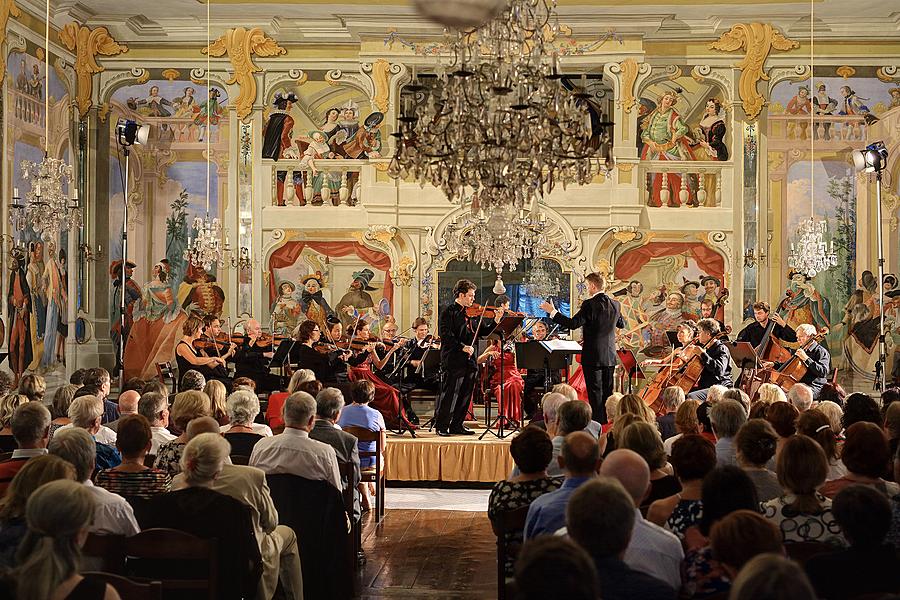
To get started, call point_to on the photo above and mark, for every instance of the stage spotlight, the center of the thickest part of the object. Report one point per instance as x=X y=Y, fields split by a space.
x=871 y=160
x=129 y=133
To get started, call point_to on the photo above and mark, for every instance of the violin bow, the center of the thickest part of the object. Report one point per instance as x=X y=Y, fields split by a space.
x=477 y=327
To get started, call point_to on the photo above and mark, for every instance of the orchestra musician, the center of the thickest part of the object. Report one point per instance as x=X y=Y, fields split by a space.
x=420 y=345
x=708 y=310
x=510 y=404
x=211 y=344
x=534 y=378
x=304 y=354
x=816 y=358
x=754 y=332
x=686 y=332
x=188 y=358
x=458 y=336
x=715 y=358
x=391 y=352
x=252 y=358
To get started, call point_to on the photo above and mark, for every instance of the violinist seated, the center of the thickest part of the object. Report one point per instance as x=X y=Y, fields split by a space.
x=252 y=358
x=686 y=332
x=713 y=356
x=414 y=377
x=392 y=357
x=813 y=355
x=755 y=331
x=534 y=378
x=322 y=358
x=215 y=343
x=188 y=358
x=513 y=385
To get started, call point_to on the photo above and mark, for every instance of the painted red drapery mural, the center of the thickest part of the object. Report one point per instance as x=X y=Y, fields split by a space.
x=633 y=260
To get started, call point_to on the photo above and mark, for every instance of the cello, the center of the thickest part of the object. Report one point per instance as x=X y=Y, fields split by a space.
x=794 y=369
x=652 y=392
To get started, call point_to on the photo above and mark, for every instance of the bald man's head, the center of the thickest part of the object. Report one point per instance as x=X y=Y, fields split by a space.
x=201 y=425
x=579 y=455
x=631 y=470
x=128 y=402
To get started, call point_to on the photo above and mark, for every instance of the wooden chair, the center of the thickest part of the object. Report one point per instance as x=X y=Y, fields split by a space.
x=127 y=588
x=171 y=546
x=507 y=522
x=167 y=375
x=348 y=493
x=5 y=456
x=803 y=551
x=149 y=459
x=372 y=474
x=240 y=459
x=108 y=552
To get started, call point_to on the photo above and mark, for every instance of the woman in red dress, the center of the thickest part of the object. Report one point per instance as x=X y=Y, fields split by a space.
x=387 y=398
x=513 y=384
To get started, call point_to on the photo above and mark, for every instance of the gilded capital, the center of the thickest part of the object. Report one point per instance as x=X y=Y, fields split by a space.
x=87 y=44
x=8 y=9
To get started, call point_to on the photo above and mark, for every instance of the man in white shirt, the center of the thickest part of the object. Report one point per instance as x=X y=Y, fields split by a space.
x=726 y=417
x=128 y=405
x=293 y=451
x=652 y=549
x=155 y=408
x=84 y=413
x=112 y=515
x=30 y=426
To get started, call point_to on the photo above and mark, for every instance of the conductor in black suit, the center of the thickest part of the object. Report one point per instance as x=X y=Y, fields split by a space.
x=599 y=316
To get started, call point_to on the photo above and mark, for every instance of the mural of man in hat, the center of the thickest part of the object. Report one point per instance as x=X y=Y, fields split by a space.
x=358 y=295
x=277 y=132
x=18 y=306
x=132 y=295
x=312 y=303
x=367 y=141
x=803 y=303
x=199 y=292
x=689 y=290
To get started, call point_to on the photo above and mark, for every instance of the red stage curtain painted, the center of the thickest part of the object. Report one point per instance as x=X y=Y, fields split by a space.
x=707 y=259
x=290 y=252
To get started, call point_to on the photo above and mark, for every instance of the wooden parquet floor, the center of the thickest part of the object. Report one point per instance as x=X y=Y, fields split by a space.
x=430 y=554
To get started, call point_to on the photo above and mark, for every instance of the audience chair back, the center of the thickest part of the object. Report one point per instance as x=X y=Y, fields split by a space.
x=372 y=474
x=240 y=459
x=5 y=456
x=803 y=551
x=507 y=522
x=167 y=375
x=348 y=494
x=105 y=552
x=159 y=550
x=127 y=588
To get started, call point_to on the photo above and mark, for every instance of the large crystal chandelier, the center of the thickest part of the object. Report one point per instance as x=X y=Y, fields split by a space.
x=500 y=120
x=542 y=282
x=810 y=253
x=49 y=208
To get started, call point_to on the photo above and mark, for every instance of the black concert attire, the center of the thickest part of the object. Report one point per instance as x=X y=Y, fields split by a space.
x=392 y=374
x=754 y=332
x=460 y=369
x=534 y=378
x=599 y=316
x=414 y=377
x=716 y=361
x=219 y=372
x=818 y=365
x=322 y=364
x=250 y=361
x=184 y=365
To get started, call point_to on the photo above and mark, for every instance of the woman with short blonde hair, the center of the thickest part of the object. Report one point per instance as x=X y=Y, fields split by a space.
x=33 y=386
x=187 y=407
x=217 y=393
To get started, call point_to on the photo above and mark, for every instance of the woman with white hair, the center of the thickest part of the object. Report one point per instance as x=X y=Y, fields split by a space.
x=59 y=515
x=241 y=432
x=276 y=399
x=208 y=514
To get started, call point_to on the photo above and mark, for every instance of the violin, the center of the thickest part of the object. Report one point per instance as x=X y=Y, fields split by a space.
x=489 y=312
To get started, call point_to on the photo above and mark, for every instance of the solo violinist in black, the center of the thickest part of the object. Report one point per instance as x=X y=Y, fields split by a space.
x=458 y=336
x=754 y=332
x=252 y=358
x=715 y=358
x=815 y=358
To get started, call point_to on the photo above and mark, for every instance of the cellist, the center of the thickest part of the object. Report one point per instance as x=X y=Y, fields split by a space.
x=686 y=332
x=713 y=355
x=814 y=356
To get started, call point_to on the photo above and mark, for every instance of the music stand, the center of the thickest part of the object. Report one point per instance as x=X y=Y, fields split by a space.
x=630 y=365
x=502 y=330
x=744 y=354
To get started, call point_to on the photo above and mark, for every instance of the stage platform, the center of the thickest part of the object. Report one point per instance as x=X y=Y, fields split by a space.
x=430 y=457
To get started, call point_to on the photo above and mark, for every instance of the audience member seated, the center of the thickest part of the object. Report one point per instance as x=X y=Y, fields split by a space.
x=187 y=407
x=893 y=536
x=33 y=475
x=241 y=432
x=693 y=457
x=739 y=537
x=726 y=418
x=77 y=377
x=644 y=439
x=113 y=515
x=217 y=394
x=128 y=405
x=293 y=451
x=600 y=518
x=725 y=490
x=532 y=451
x=769 y=393
x=555 y=567
x=277 y=543
x=329 y=404
x=59 y=407
x=738 y=395
x=860 y=407
x=868 y=566
x=155 y=385
x=866 y=455
x=192 y=380
x=612 y=409
x=652 y=549
x=154 y=407
x=97 y=380
x=550 y=403
x=892 y=427
x=33 y=387
x=782 y=416
x=672 y=397
x=86 y=412
x=31 y=430
x=579 y=460
x=755 y=445
x=835 y=416
x=59 y=516
x=814 y=424
x=686 y=423
x=771 y=577
x=593 y=427
x=571 y=416
x=360 y=414
x=276 y=399
x=243 y=383
x=802 y=514
x=8 y=404
x=801 y=396
x=199 y=510
x=132 y=479
x=833 y=392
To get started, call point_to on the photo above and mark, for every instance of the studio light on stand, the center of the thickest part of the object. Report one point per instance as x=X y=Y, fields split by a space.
x=873 y=159
x=128 y=133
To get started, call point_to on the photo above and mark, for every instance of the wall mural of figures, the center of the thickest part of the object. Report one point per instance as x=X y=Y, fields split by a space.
x=682 y=120
x=663 y=283
x=315 y=122
x=162 y=288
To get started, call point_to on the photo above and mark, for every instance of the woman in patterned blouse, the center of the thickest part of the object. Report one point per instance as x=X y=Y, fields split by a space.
x=187 y=407
x=132 y=479
x=693 y=456
x=531 y=450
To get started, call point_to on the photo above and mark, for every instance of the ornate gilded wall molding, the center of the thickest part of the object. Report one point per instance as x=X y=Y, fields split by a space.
x=240 y=44
x=360 y=81
x=87 y=44
x=888 y=74
x=628 y=71
x=797 y=73
x=8 y=9
x=293 y=77
x=757 y=40
x=381 y=72
x=702 y=73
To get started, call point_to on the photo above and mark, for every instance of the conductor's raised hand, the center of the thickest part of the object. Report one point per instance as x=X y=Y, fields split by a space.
x=547 y=306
